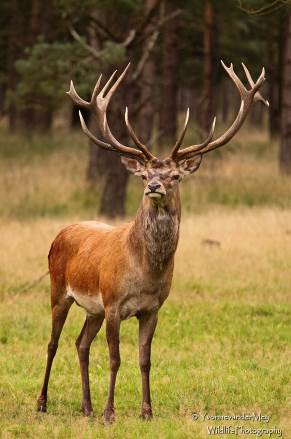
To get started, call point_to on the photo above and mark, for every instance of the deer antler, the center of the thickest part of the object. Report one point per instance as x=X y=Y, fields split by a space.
x=248 y=97
x=98 y=105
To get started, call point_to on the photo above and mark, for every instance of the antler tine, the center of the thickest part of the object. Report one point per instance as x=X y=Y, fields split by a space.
x=181 y=137
x=261 y=79
x=102 y=103
x=232 y=130
x=248 y=75
x=76 y=98
x=131 y=153
x=195 y=148
x=98 y=105
x=248 y=97
x=239 y=85
x=95 y=91
x=208 y=138
x=116 y=84
x=91 y=136
x=101 y=94
x=134 y=137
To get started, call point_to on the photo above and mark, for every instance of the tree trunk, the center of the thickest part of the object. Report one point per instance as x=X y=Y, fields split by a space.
x=97 y=164
x=16 y=44
x=146 y=114
x=169 y=86
x=22 y=35
x=40 y=119
x=114 y=190
x=116 y=176
x=225 y=101
x=2 y=99
x=207 y=100
x=274 y=82
x=98 y=159
x=285 y=150
x=105 y=167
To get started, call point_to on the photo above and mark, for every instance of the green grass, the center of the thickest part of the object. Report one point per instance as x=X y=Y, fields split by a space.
x=223 y=341
x=220 y=358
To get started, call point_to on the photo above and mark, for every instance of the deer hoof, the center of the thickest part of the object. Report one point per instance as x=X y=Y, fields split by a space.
x=41 y=405
x=108 y=416
x=146 y=414
x=87 y=411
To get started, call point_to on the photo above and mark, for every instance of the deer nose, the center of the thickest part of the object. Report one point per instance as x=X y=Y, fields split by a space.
x=153 y=186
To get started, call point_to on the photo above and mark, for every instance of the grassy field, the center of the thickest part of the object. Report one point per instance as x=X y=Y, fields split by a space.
x=223 y=342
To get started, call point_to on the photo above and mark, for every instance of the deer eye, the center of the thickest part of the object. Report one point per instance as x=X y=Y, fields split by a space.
x=143 y=177
x=175 y=177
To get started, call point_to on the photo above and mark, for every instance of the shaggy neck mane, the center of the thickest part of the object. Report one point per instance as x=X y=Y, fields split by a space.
x=155 y=231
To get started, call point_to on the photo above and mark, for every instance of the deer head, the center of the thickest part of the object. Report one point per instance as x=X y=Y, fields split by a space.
x=162 y=176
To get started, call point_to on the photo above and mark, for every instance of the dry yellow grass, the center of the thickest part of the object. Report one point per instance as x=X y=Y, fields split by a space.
x=30 y=187
x=251 y=261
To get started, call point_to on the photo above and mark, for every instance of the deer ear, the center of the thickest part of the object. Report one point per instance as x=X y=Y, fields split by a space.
x=190 y=165
x=132 y=165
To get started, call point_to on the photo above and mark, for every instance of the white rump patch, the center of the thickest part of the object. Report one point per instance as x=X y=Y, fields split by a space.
x=93 y=304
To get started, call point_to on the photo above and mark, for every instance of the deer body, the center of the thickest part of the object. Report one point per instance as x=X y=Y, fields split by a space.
x=119 y=272
x=127 y=267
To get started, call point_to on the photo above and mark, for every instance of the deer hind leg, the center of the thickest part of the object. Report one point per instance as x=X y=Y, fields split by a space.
x=112 y=335
x=147 y=326
x=91 y=327
x=60 y=311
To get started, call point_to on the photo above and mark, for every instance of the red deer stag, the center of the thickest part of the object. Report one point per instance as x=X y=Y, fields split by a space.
x=125 y=271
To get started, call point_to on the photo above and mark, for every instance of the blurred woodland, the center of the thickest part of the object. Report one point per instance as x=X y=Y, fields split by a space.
x=175 y=50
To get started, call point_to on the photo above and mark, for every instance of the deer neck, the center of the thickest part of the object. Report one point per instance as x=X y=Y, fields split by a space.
x=155 y=231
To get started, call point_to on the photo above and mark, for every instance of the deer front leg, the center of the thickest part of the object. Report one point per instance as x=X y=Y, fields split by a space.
x=112 y=335
x=90 y=329
x=147 y=326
